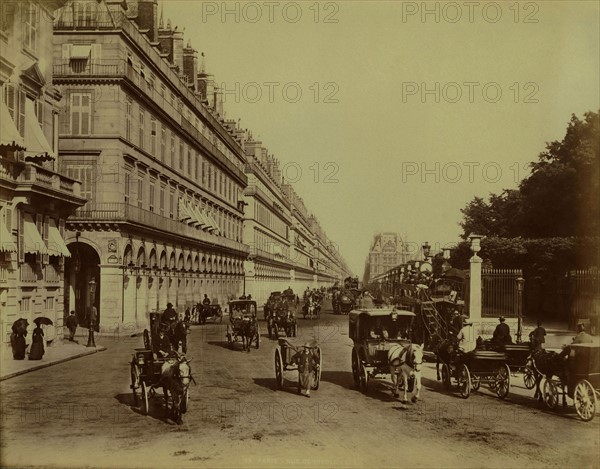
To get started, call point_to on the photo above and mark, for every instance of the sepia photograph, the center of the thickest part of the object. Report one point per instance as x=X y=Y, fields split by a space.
x=299 y=234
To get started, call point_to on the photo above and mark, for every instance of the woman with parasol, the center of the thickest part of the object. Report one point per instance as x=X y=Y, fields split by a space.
x=17 y=338
x=37 y=339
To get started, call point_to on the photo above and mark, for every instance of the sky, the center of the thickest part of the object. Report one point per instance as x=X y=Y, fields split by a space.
x=392 y=116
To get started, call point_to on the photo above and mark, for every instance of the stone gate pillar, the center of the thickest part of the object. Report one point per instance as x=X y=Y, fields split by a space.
x=475 y=284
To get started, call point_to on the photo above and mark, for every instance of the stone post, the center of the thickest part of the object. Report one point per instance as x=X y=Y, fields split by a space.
x=475 y=284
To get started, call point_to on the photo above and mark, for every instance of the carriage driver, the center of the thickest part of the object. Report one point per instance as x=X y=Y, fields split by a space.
x=162 y=344
x=169 y=316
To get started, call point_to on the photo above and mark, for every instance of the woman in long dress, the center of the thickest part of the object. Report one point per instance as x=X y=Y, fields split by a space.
x=37 y=344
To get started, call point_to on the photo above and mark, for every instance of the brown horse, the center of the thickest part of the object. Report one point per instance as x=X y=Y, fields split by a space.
x=178 y=335
x=547 y=364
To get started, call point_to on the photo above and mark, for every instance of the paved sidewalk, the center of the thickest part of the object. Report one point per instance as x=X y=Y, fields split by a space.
x=9 y=368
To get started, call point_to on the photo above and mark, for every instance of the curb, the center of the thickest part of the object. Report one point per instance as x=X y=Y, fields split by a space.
x=55 y=362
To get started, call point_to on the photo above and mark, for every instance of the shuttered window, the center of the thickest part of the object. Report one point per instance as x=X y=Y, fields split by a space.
x=84 y=173
x=80 y=111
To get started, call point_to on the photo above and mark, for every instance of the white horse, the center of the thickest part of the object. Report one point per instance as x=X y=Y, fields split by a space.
x=405 y=362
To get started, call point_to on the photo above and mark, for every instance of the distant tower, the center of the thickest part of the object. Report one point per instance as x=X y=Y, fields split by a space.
x=387 y=251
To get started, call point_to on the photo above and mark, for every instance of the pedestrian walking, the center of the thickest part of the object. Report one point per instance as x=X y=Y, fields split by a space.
x=36 y=352
x=72 y=325
x=308 y=362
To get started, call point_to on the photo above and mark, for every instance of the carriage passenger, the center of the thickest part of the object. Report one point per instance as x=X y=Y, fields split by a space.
x=537 y=336
x=378 y=330
x=162 y=344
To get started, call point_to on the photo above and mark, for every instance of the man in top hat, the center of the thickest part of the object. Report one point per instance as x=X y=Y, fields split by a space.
x=308 y=361
x=502 y=333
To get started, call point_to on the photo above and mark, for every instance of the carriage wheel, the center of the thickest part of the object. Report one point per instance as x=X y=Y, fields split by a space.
x=464 y=382
x=278 y=369
x=446 y=381
x=135 y=382
x=364 y=379
x=475 y=383
x=147 y=343
x=317 y=377
x=145 y=404
x=528 y=376
x=550 y=394
x=355 y=369
x=503 y=381
x=584 y=399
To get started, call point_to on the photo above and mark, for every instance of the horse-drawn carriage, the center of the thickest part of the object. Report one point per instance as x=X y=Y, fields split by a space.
x=146 y=368
x=312 y=306
x=382 y=347
x=212 y=312
x=284 y=353
x=177 y=333
x=344 y=301
x=518 y=359
x=578 y=376
x=282 y=321
x=470 y=369
x=243 y=324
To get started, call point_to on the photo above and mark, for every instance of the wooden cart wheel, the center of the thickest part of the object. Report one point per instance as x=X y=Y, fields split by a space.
x=364 y=378
x=550 y=394
x=503 y=381
x=145 y=404
x=464 y=382
x=317 y=376
x=529 y=375
x=355 y=369
x=147 y=343
x=446 y=380
x=135 y=381
x=584 y=399
x=278 y=369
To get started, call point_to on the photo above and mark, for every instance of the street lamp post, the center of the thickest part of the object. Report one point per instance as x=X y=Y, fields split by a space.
x=520 y=285
x=92 y=285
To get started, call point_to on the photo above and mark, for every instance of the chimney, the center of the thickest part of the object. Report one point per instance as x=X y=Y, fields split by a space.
x=190 y=65
x=165 y=38
x=178 y=50
x=147 y=18
x=205 y=84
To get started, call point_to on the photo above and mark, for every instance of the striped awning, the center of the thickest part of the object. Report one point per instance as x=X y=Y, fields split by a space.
x=6 y=240
x=9 y=135
x=35 y=140
x=33 y=240
x=184 y=214
x=56 y=244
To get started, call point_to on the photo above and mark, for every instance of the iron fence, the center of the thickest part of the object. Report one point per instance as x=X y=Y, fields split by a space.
x=500 y=294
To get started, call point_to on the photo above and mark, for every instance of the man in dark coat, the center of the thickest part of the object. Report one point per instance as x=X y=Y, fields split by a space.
x=308 y=361
x=502 y=333
x=170 y=315
x=537 y=336
x=72 y=325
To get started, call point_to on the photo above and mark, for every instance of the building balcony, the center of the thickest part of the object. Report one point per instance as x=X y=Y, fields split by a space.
x=3 y=274
x=40 y=178
x=103 y=213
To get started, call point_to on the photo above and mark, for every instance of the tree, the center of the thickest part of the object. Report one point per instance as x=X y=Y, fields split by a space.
x=561 y=196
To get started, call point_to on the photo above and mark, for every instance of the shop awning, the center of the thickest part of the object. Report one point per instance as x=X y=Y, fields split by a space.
x=56 y=244
x=214 y=225
x=33 y=240
x=199 y=219
x=9 y=135
x=6 y=240
x=35 y=140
